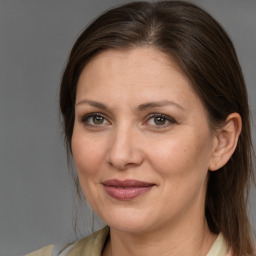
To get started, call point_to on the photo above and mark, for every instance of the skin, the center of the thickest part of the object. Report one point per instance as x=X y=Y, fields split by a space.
x=125 y=141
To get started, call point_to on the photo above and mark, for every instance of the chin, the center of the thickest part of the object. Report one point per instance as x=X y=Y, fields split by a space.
x=129 y=221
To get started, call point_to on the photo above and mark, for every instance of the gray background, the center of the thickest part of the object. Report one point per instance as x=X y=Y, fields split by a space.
x=36 y=192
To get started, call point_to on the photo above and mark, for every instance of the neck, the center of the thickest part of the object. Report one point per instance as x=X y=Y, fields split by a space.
x=166 y=241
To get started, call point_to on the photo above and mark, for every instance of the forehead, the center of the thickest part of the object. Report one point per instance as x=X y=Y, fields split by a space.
x=145 y=57
x=135 y=75
x=122 y=80
x=137 y=66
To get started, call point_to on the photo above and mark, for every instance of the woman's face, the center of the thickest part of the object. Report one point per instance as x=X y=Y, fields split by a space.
x=141 y=141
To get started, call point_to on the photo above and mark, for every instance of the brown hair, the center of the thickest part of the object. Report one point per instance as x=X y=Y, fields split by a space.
x=207 y=56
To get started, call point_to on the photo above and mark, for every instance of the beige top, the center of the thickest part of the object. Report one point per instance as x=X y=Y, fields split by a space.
x=92 y=246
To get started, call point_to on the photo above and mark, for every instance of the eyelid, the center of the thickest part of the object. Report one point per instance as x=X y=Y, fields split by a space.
x=85 y=117
x=169 y=119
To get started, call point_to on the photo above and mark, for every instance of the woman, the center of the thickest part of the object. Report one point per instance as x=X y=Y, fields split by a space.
x=156 y=117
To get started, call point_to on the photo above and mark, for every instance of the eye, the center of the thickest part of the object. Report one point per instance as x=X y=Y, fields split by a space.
x=94 y=119
x=160 y=120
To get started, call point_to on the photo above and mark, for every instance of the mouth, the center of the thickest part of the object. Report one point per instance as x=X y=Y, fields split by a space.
x=126 y=189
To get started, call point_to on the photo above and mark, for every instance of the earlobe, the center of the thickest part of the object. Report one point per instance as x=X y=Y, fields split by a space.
x=226 y=139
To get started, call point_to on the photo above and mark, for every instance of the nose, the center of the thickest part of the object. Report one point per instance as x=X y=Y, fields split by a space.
x=124 y=150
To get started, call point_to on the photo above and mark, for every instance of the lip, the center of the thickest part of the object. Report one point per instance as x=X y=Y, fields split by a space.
x=126 y=189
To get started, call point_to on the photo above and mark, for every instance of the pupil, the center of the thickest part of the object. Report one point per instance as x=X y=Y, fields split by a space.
x=98 y=119
x=159 y=120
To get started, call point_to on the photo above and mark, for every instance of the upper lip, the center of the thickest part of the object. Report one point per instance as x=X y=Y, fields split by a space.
x=127 y=183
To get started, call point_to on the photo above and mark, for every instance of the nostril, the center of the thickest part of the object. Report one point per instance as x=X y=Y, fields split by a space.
x=124 y=160
x=124 y=151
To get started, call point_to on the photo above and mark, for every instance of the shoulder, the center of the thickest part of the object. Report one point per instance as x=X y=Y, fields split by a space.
x=45 y=251
x=91 y=245
x=219 y=247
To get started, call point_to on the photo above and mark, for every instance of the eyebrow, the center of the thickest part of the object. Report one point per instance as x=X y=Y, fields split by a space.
x=93 y=103
x=141 y=107
x=156 y=104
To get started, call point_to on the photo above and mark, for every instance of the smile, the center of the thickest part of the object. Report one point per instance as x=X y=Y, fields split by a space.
x=126 y=189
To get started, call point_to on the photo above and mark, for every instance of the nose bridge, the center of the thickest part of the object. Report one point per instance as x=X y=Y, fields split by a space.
x=123 y=149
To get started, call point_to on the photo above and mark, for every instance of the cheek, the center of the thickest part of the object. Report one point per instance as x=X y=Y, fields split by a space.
x=182 y=165
x=181 y=156
x=88 y=157
x=87 y=154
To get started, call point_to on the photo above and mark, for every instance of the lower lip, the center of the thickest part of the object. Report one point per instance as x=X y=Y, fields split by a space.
x=127 y=193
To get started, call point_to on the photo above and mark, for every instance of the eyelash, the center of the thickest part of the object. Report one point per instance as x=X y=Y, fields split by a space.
x=91 y=115
x=167 y=119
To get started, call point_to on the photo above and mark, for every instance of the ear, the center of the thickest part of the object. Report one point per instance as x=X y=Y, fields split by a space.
x=225 y=141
